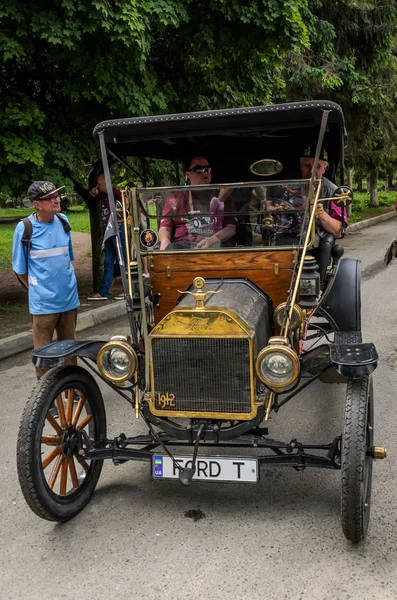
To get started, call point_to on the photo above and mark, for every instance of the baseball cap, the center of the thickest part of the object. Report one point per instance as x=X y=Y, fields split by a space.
x=39 y=190
x=310 y=151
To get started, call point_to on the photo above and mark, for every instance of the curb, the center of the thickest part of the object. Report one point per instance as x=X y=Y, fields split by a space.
x=24 y=341
x=369 y=222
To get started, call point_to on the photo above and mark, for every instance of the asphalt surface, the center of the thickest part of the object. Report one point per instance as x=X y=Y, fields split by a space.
x=280 y=539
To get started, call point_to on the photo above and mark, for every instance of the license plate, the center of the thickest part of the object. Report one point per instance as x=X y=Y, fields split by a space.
x=208 y=468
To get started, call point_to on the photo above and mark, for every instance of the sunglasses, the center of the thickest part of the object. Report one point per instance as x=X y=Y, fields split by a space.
x=200 y=169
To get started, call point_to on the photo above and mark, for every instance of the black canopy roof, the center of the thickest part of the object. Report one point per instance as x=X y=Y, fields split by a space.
x=240 y=135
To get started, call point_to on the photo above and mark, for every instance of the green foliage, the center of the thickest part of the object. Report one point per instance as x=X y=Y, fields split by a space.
x=8 y=201
x=68 y=64
x=361 y=200
x=352 y=60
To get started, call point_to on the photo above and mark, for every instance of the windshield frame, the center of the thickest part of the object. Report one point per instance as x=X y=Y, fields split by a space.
x=136 y=199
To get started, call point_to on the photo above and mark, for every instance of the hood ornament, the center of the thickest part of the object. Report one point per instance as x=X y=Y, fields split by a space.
x=199 y=295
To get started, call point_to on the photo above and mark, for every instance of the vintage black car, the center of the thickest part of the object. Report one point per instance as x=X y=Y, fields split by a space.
x=225 y=283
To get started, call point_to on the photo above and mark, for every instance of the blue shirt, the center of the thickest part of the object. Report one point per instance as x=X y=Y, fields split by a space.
x=52 y=282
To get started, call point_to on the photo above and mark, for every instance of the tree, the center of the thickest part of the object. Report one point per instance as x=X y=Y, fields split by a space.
x=352 y=61
x=69 y=64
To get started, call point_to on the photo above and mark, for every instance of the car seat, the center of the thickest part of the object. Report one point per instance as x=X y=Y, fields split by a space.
x=327 y=254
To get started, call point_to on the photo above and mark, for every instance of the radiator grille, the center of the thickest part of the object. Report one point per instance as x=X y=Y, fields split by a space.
x=203 y=374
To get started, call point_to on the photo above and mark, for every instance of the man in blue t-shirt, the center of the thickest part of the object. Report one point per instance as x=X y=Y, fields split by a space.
x=44 y=267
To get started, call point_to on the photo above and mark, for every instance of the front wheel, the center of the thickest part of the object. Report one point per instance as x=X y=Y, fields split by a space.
x=356 y=458
x=55 y=480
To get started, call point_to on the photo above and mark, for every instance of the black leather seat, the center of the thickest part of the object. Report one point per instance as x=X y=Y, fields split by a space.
x=328 y=253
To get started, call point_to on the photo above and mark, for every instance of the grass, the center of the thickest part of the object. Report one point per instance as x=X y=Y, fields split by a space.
x=79 y=221
x=77 y=208
x=15 y=212
x=6 y=233
x=361 y=209
x=11 y=309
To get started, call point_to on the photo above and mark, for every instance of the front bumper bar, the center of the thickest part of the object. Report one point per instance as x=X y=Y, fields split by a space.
x=291 y=454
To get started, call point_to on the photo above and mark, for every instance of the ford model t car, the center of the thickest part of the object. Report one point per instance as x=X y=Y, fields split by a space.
x=229 y=274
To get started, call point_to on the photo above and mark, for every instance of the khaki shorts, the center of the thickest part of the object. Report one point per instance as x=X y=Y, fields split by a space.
x=44 y=327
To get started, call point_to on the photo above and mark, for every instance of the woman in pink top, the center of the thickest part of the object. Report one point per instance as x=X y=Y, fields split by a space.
x=202 y=222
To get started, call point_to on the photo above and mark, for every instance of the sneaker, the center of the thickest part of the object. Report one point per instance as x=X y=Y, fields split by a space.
x=53 y=411
x=96 y=298
x=119 y=297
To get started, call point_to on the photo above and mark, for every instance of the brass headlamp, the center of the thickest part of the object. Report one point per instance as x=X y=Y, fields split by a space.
x=280 y=316
x=117 y=360
x=277 y=365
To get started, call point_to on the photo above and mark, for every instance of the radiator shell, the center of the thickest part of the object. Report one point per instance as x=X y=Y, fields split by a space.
x=202 y=360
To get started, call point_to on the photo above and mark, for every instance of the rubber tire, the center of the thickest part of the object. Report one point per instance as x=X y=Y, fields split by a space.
x=356 y=466
x=38 y=495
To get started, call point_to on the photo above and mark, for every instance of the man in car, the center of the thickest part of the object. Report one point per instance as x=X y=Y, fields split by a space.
x=329 y=215
x=203 y=221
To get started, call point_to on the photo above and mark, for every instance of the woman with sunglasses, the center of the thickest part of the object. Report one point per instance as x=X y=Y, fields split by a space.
x=203 y=222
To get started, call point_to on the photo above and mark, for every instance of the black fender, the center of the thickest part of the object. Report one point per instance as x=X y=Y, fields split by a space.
x=354 y=360
x=341 y=301
x=54 y=354
x=348 y=360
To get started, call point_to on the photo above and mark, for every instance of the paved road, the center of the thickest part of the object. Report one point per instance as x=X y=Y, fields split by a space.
x=279 y=539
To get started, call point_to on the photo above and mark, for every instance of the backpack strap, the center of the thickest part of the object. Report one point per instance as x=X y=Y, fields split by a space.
x=28 y=229
x=65 y=224
x=27 y=233
x=26 y=237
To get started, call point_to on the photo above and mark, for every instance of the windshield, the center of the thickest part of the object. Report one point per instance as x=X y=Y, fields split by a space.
x=214 y=217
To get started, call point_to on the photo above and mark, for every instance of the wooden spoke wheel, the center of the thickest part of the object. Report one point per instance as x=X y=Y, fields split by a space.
x=56 y=480
x=356 y=459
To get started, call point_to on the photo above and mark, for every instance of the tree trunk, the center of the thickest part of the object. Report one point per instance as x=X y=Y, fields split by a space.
x=373 y=188
x=360 y=185
x=388 y=183
x=369 y=182
x=96 y=225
